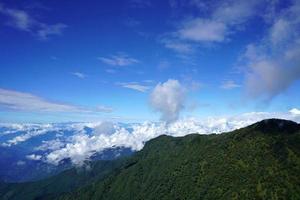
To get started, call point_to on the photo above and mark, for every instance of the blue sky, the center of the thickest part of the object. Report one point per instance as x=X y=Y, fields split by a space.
x=79 y=61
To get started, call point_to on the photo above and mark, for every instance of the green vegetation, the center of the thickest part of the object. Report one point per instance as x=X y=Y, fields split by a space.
x=52 y=187
x=261 y=161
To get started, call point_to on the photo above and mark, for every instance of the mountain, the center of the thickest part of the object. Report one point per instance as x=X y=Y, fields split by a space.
x=261 y=161
x=66 y=181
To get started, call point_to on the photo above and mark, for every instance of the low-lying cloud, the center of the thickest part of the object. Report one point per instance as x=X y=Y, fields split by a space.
x=90 y=138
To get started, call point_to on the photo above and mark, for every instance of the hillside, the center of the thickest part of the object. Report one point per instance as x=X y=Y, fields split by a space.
x=261 y=161
x=66 y=181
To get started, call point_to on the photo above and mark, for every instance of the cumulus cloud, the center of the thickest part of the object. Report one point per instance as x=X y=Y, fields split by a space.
x=295 y=111
x=273 y=65
x=168 y=98
x=21 y=20
x=118 y=60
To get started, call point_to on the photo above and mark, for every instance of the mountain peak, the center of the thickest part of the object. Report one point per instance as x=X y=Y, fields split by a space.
x=276 y=126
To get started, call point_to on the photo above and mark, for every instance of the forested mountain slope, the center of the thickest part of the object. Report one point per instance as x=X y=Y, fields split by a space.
x=261 y=161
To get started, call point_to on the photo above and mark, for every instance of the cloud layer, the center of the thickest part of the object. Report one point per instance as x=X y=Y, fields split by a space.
x=90 y=138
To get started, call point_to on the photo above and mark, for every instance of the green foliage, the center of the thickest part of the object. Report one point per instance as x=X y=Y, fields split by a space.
x=261 y=161
x=52 y=187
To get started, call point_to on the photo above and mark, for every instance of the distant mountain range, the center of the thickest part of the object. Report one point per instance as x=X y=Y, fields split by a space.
x=261 y=161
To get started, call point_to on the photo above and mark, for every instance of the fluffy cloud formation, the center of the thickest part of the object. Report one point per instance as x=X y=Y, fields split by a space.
x=90 y=138
x=273 y=65
x=21 y=20
x=295 y=111
x=20 y=101
x=118 y=60
x=168 y=98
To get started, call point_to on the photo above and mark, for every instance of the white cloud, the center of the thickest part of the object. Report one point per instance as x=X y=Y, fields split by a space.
x=51 y=145
x=106 y=134
x=295 y=111
x=34 y=157
x=20 y=101
x=21 y=20
x=18 y=18
x=135 y=86
x=118 y=60
x=235 y=12
x=280 y=31
x=220 y=21
x=82 y=144
x=229 y=84
x=46 y=30
x=30 y=132
x=79 y=75
x=201 y=30
x=168 y=98
x=273 y=64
